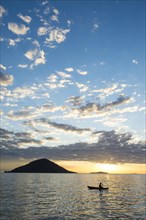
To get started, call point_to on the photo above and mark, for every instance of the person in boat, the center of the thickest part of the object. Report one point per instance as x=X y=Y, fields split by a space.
x=100 y=185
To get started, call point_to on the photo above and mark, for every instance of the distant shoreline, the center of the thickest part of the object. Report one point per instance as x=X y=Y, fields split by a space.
x=77 y=173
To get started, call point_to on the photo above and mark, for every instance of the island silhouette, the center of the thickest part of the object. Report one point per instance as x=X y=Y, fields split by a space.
x=40 y=166
x=100 y=172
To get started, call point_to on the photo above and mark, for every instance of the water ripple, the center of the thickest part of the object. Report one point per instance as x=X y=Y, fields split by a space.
x=65 y=196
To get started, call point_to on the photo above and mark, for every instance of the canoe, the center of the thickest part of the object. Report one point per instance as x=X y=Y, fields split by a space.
x=94 y=187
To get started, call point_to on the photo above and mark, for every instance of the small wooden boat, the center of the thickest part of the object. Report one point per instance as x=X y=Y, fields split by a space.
x=94 y=187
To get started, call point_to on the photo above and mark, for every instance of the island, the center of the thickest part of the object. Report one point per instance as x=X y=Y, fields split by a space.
x=100 y=172
x=40 y=166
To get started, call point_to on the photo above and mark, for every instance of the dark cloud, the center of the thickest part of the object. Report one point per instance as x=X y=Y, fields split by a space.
x=60 y=126
x=31 y=112
x=110 y=147
x=21 y=115
x=4 y=132
x=75 y=100
x=23 y=135
x=6 y=138
x=120 y=100
x=5 y=79
x=40 y=131
x=97 y=108
x=23 y=142
x=50 y=138
x=97 y=132
x=15 y=139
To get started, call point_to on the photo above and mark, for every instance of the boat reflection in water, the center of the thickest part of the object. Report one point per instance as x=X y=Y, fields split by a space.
x=99 y=188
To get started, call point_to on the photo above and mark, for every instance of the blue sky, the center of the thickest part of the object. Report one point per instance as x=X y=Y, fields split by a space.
x=73 y=72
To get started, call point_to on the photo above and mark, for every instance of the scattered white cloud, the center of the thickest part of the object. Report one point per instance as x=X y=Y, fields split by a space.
x=69 y=69
x=40 y=59
x=63 y=75
x=127 y=109
x=23 y=66
x=25 y=18
x=44 y=22
x=102 y=63
x=2 y=67
x=56 y=11
x=142 y=109
x=105 y=92
x=49 y=107
x=23 y=92
x=47 y=10
x=82 y=72
x=36 y=55
x=54 y=82
x=13 y=42
x=36 y=43
x=80 y=103
x=54 y=18
x=1 y=112
x=6 y=79
x=57 y=35
x=25 y=113
x=95 y=27
x=42 y=31
x=52 y=78
x=46 y=95
x=18 y=29
x=29 y=112
x=82 y=87
x=31 y=54
x=64 y=83
x=134 y=61
x=112 y=122
x=2 y=11
x=68 y=23
x=2 y=39
x=76 y=100
x=44 y=3
x=4 y=92
x=10 y=104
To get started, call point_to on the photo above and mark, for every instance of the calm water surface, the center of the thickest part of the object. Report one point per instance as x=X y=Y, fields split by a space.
x=65 y=196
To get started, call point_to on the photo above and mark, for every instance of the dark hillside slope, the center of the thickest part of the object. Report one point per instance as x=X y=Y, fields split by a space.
x=40 y=166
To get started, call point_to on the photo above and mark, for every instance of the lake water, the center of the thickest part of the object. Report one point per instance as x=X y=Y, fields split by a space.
x=65 y=196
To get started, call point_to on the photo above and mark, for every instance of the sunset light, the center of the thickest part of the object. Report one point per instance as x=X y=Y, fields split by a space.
x=73 y=83
x=110 y=168
x=73 y=109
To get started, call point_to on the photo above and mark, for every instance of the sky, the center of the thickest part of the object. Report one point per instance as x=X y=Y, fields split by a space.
x=73 y=84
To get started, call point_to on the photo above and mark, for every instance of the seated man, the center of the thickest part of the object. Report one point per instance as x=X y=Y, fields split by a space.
x=100 y=186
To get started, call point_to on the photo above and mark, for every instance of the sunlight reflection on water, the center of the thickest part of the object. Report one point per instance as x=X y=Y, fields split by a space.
x=65 y=196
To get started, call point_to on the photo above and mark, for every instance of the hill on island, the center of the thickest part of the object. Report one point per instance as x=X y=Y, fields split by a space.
x=100 y=172
x=40 y=166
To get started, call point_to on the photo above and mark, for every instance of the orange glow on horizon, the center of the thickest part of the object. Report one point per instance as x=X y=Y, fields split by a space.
x=107 y=167
x=83 y=166
x=88 y=167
